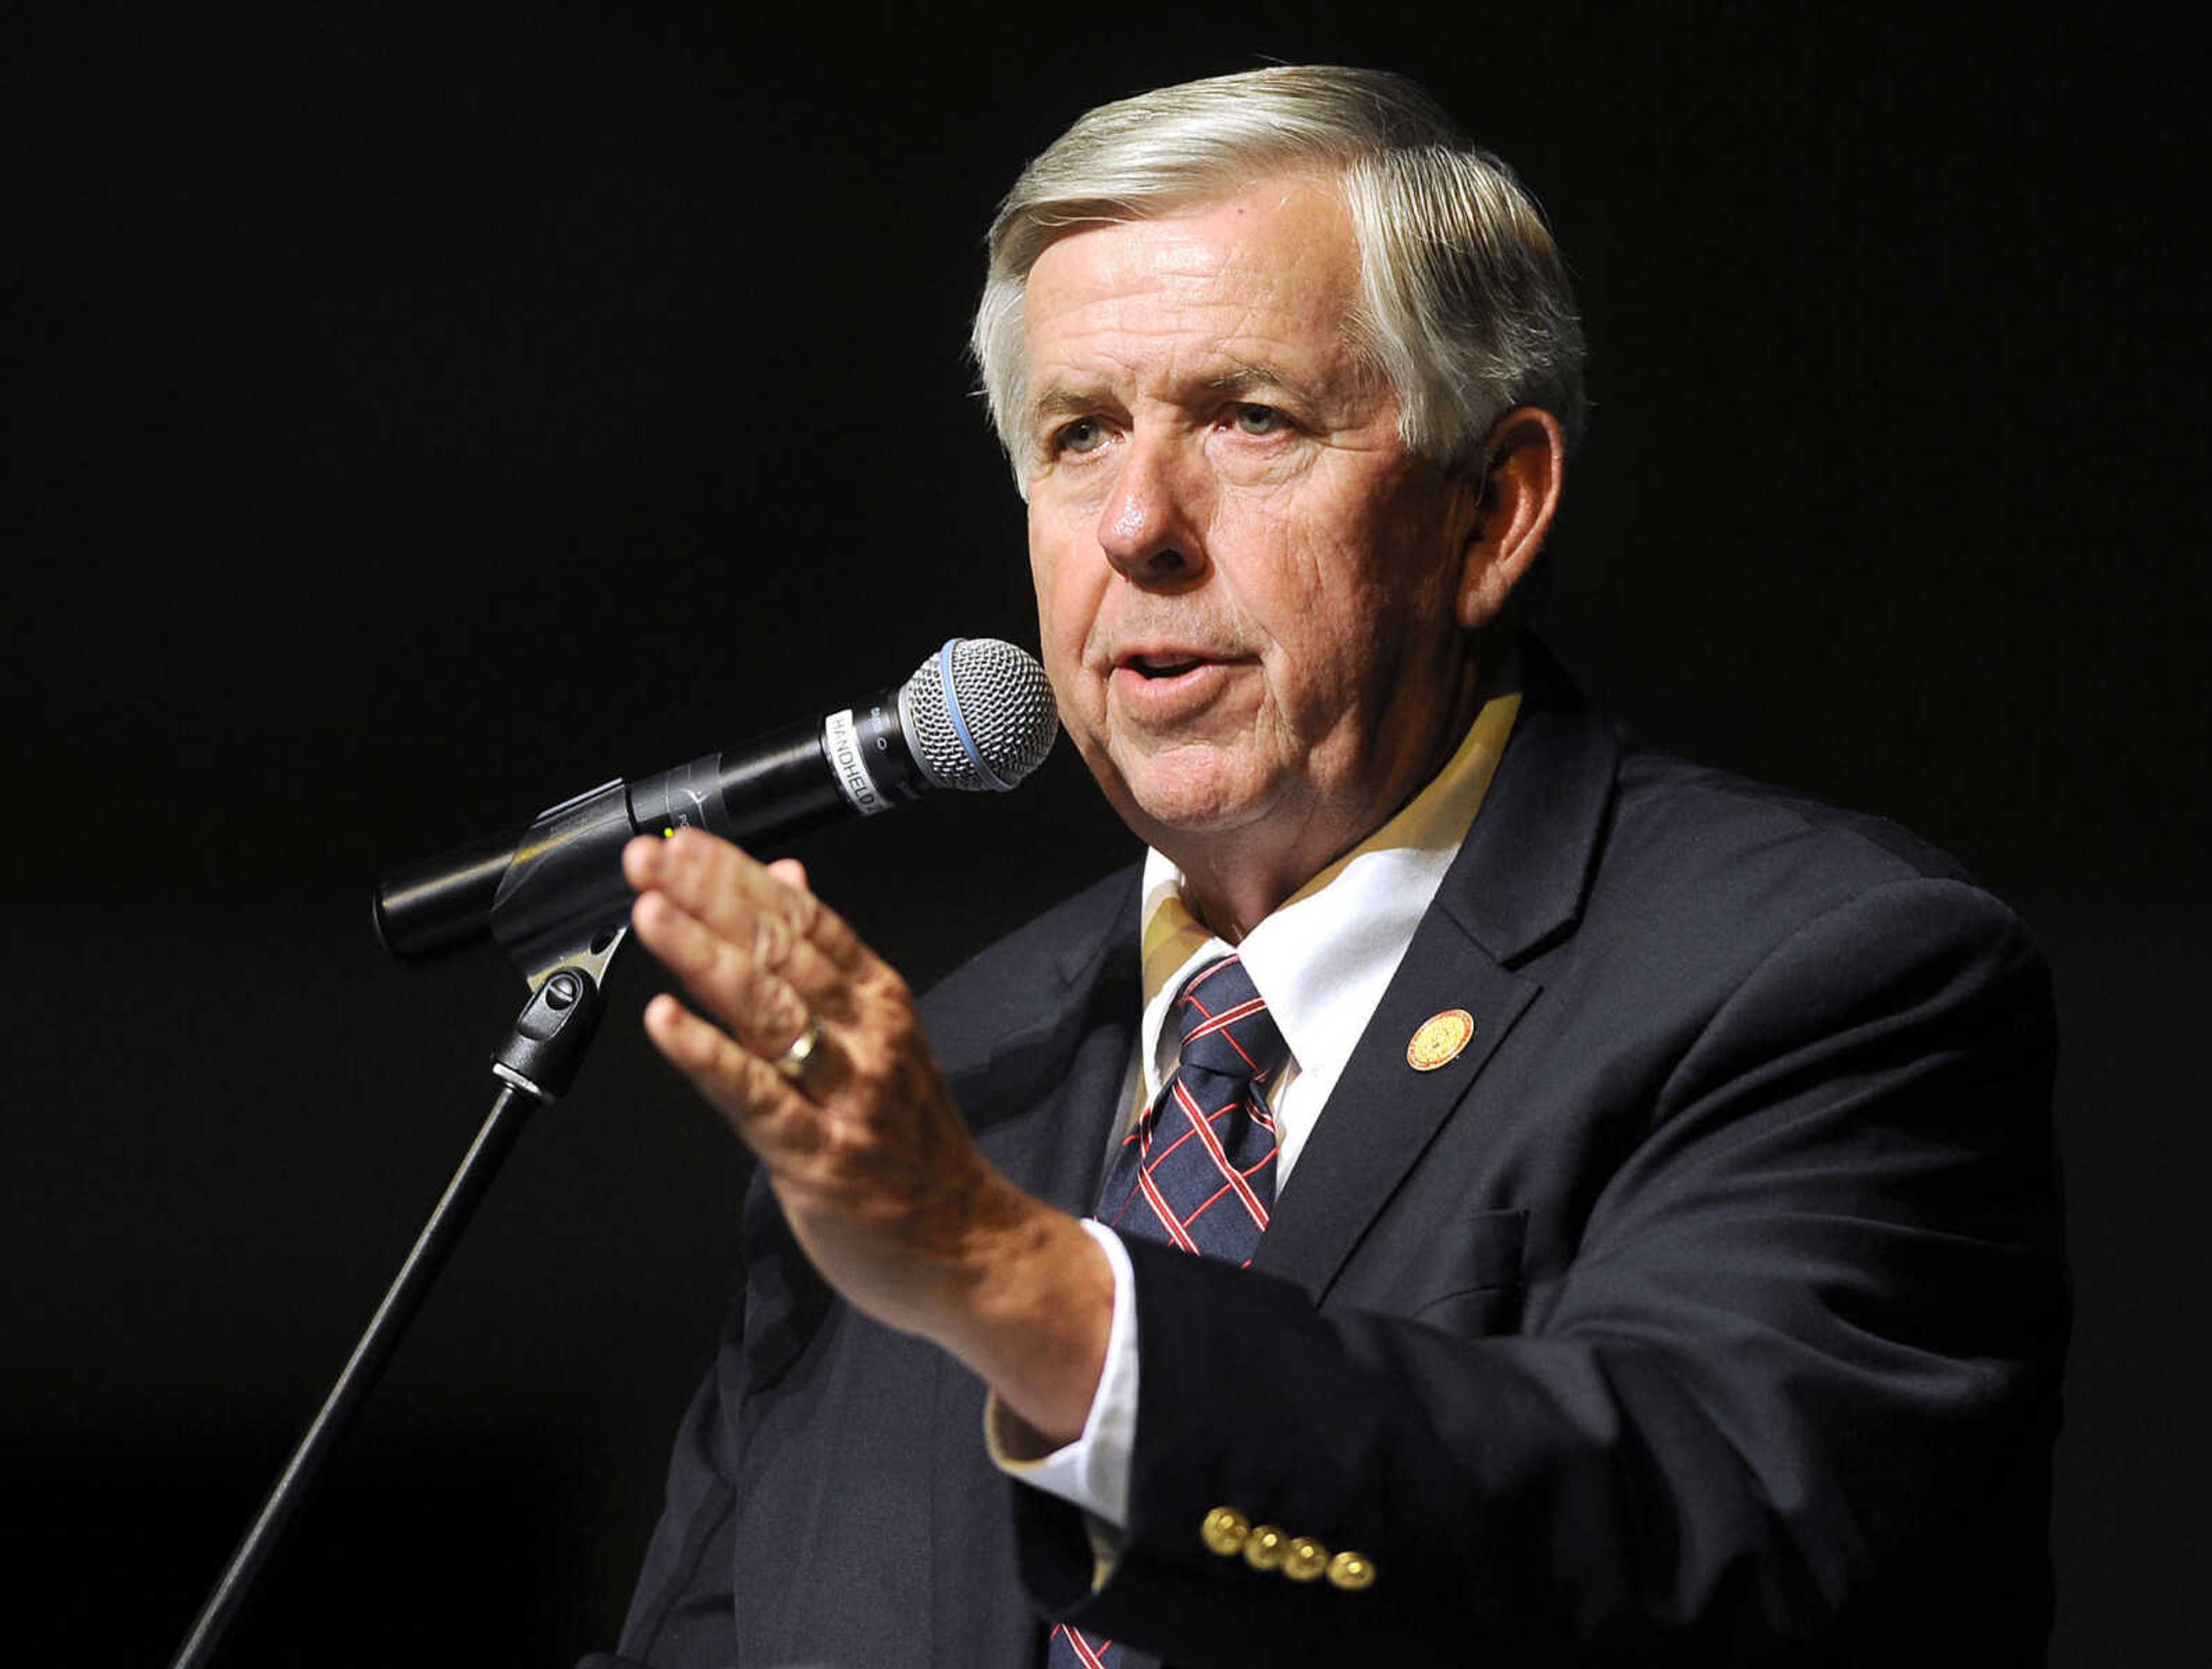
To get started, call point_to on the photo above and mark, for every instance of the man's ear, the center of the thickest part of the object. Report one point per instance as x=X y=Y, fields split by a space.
x=1523 y=468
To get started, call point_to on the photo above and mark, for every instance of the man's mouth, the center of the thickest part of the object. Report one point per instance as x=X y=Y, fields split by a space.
x=1171 y=664
x=1168 y=686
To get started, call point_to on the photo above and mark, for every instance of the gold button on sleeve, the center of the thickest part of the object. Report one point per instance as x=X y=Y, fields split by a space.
x=1267 y=1547
x=1305 y=1561
x=1351 y=1572
x=1224 y=1531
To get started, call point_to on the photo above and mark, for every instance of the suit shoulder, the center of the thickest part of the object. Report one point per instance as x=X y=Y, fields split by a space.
x=1672 y=810
x=1705 y=874
x=1652 y=808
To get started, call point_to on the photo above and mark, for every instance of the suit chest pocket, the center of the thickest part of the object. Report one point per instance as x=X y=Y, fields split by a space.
x=1467 y=1278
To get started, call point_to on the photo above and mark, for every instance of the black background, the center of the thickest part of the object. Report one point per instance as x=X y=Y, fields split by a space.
x=415 y=419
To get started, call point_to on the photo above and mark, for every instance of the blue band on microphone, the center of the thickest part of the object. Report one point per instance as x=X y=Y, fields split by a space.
x=959 y=722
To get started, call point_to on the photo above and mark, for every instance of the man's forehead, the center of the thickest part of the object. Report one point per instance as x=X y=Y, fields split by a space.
x=1232 y=285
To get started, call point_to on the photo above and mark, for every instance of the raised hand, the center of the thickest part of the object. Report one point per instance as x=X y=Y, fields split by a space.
x=810 y=1046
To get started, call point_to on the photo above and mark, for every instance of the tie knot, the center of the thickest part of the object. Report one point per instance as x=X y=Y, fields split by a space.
x=1225 y=1025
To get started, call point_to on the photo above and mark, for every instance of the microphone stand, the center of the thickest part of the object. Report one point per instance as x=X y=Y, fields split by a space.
x=537 y=1063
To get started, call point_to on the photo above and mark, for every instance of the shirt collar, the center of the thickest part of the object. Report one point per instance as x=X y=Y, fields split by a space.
x=1323 y=957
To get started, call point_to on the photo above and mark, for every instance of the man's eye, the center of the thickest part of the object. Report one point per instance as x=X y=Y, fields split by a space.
x=1083 y=436
x=1260 y=420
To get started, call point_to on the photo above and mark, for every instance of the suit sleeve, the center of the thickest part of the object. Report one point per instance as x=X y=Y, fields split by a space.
x=682 y=1612
x=1791 y=1398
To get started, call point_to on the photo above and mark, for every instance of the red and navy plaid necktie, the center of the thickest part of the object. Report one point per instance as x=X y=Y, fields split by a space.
x=1199 y=1170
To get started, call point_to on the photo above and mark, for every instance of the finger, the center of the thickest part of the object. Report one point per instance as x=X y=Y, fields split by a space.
x=740 y=898
x=737 y=896
x=790 y=872
x=765 y=1110
x=760 y=1003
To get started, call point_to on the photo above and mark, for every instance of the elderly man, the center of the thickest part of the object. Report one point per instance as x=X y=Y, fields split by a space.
x=1660 y=1255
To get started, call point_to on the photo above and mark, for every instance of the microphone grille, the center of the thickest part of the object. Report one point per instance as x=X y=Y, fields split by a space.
x=979 y=714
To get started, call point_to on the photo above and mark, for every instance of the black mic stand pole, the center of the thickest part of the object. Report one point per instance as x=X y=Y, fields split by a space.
x=537 y=1063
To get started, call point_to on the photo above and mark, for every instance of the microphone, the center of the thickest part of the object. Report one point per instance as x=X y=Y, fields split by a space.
x=977 y=715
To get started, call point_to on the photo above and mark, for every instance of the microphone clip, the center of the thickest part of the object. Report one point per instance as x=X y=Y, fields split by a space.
x=562 y=889
x=560 y=914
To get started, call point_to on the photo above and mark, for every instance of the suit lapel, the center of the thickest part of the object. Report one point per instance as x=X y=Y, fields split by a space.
x=1062 y=1076
x=1043 y=1107
x=1517 y=885
x=1384 y=1112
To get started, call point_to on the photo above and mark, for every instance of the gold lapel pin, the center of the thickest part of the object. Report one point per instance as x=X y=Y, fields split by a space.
x=1439 y=1039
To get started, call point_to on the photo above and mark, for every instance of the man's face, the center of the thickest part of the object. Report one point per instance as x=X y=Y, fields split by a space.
x=1246 y=585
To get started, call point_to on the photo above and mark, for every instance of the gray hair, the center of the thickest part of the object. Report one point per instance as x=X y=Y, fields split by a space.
x=1466 y=306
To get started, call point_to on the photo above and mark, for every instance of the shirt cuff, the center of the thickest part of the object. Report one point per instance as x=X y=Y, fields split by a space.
x=1092 y=1473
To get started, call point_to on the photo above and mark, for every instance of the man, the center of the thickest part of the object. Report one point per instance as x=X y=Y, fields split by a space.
x=1662 y=1258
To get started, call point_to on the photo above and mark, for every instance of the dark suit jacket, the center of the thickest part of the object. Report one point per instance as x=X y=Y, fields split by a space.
x=1709 y=1307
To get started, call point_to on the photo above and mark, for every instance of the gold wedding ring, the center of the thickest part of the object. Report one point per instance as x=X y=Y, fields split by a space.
x=793 y=1062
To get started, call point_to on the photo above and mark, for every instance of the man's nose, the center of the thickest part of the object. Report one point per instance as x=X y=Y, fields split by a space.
x=1151 y=526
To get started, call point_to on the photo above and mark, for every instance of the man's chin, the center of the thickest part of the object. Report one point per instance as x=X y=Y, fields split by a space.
x=1167 y=807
